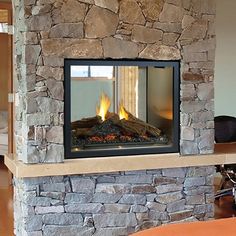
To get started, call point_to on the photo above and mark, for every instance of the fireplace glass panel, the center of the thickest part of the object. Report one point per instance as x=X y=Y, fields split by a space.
x=120 y=108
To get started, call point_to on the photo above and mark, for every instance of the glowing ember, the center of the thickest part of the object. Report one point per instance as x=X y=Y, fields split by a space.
x=104 y=106
x=122 y=113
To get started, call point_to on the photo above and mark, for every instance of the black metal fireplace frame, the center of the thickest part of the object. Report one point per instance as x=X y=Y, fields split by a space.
x=174 y=148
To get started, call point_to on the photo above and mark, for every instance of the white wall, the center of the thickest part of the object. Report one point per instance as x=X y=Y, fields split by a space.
x=225 y=70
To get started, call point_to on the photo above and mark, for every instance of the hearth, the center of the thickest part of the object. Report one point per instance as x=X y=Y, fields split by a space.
x=121 y=107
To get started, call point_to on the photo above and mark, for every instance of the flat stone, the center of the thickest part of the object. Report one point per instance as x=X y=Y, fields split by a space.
x=53 y=195
x=174 y=172
x=106 y=179
x=113 y=188
x=55 y=153
x=160 y=52
x=168 y=27
x=116 y=48
x=192 y=106
x=168 y=188
x=38 y=119
x=205 y=91
x=169 y=197
x=188 y=92
x=195 y=57
x=142 y=189
x=100 y=23
x=116 y=208
x=187 y=133
x=131 y=12
x=111 y=231
x=91 y=208
x=41 y=10
x=134 y=179
x=67 y=30
x=187 y=21
x=138 y=209
x=112 y=5
x=48 y=209
x=39 y=22
x=78 y=198
x=197 y=30
x=114 y=220
x=33 y=223
x=177 y=216
x=133 y=199
x=158 y=180
x=176 y=206
x=171 y=13
x=48 y=72
x=156 y=206
x=194 y=181
x=55 y=135
x=46 y=104
x=72 y=48
x=188 y=147
x=151 y=8
x=170 y=39
x=30 y=38
x=191 y=77
x=146 y=35
x=56 y=89
x=82 y=185
x=204 y=6
x=76 y=11
x=71 y=230
x=31 y=54
x=53 y=61
x=207 y=140
x=106 y=198
x=53 y=187
x=63 y=219
x=195 y=200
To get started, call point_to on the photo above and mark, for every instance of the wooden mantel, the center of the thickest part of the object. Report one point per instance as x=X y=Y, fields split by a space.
x=224 y=154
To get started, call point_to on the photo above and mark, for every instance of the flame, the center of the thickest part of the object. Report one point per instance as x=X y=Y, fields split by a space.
x=122 y=113
x=104 y=106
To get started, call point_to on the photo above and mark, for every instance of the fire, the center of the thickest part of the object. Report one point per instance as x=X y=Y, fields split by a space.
x=104 y=106
x=122 y=113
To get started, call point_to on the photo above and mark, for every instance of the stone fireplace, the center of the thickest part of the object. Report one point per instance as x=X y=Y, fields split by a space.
x=49 y=32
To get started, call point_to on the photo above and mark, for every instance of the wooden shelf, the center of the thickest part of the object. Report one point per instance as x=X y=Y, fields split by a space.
x=224 y=154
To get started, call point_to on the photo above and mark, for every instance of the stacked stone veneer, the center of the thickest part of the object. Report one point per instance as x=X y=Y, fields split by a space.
x=46 y=32
x=113 y=204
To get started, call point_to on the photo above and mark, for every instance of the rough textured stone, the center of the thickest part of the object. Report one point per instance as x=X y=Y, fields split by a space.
x=113 y=188
x=77 y=11
x=169 y=197
x=168 y=188
x=111 y=231
x=72 y=48
x=151 y=8
x=82 y=185
x=63 y=219
x=56 y=89
x=49 y=209
x=170 y=39
x=156 y=206
x=55 y=135
x=130 y=12
x=33 y=223
x=133 y=199
x=175 y=172
x=142 y=189
x=160 y=52
x=106 y=198
x=78 y=198
x=112 y=5
x=134 y=179
x=116 y=208
x=84 y=208
x=67 y=30
x=171 y=13
x=146 y=35
x=55 y=153
x=194 y=181
x=54 y=230
x=46 y=104
x=111 y=220
x=177 y=216
x=39 y=23
x=176 y=206
x=100 y=28
x=31 y=54
x=116 y=48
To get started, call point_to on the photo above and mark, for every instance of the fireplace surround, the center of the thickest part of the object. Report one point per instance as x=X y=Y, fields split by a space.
x=139 y=116
x=129 y=199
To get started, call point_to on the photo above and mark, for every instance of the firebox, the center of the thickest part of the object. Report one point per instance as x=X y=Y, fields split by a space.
x=121 y=107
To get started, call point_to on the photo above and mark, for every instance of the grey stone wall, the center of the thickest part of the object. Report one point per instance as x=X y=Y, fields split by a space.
x=112 y=204
x=46 y=32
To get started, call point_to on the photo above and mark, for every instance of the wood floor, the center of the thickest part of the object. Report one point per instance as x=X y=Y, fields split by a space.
x=224 y=207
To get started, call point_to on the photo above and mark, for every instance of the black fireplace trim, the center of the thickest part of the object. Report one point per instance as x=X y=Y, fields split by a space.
x=174 y=148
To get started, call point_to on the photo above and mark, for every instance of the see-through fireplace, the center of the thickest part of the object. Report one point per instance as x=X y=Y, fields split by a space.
x=121 y=107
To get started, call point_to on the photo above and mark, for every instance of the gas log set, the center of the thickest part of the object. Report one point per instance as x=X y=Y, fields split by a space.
x=114 y=129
